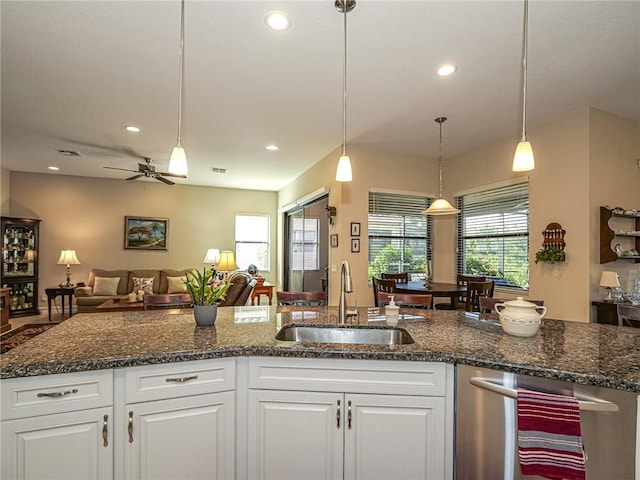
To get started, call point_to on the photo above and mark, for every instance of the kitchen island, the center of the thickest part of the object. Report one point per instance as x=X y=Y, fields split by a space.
x=150 y=395
x=591 y=354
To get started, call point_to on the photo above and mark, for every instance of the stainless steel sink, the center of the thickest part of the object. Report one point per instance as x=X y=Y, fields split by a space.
x=344 y=334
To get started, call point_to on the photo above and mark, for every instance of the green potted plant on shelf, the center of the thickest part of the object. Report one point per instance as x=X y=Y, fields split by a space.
x=550 y=255
x=206 y=290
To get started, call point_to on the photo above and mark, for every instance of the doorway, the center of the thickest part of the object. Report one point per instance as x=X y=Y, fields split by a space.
x=306 y=253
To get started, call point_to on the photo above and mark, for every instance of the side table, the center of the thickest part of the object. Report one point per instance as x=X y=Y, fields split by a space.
x=265 y=288
x=53 y=292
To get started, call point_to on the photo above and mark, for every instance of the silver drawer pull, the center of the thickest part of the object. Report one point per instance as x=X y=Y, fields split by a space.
x=57 y=394
x=182 y=379
x=105 y=431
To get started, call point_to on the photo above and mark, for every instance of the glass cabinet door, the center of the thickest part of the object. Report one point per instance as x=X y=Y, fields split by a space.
x=19 y=251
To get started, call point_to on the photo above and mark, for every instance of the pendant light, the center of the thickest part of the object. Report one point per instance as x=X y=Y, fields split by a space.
x=343 y=172
x=523 y=158
x=178 y=160
x=440 y=206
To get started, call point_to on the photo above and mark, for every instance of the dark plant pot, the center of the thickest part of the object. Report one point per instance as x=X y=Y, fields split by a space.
x=205 y=315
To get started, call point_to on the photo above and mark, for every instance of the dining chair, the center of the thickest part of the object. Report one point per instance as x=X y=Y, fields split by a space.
x=167 y=300
x=302 y=298
x=413 y=300
x=396 y=277
x=461 y=281
x=628 y=313
x=488 y=304
x=475 y=291
x=382 y=285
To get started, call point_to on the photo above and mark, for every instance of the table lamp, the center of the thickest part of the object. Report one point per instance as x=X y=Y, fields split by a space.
x=68 y=258
x=609 y=280
x=212 y=257
x=227 y=263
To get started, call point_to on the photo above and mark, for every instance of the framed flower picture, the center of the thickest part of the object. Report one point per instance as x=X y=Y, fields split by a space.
x=146 y=233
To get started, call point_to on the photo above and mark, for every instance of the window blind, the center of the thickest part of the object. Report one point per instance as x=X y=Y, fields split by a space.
x=493 y=235
x=399 y=234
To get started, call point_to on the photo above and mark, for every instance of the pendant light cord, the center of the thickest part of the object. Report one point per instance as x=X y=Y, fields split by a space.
x=181 y=72
x=344 y=83
x=440 y=161
x=524 y=71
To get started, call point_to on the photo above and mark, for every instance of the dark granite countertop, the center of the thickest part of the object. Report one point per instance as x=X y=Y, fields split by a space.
x=592 y=354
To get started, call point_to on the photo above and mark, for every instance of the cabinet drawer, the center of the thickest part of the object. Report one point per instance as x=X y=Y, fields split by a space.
x=354 y=376
x=31 y=396
x=156 y=382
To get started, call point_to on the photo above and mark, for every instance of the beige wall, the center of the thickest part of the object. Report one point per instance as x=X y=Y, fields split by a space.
x=614 y=181
x=5 y=191
x=87 y=214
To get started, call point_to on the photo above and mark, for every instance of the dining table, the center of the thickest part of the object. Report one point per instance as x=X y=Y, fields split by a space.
x=437 y=289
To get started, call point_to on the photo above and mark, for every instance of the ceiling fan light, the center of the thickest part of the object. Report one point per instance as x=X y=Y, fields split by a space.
x=178 y=161
x=343 y=172
x=523 y=159
x=440 y=207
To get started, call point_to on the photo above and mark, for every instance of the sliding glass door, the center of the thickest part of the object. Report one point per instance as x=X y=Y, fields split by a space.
x=306 y=252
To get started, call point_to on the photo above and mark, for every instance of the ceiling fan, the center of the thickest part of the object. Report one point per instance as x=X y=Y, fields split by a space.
x=149 y=171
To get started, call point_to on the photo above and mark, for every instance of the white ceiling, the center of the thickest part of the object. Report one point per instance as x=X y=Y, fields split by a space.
x=74 y=73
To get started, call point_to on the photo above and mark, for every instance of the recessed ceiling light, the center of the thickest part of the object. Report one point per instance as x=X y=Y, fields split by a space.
x=132 y=129
x=277 y=21
x=53 y=168
x=273 y=148
x=446 y=70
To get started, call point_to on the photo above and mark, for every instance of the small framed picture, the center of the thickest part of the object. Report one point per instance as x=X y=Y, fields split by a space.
x=355 y=245
x=334 y=240
x=355 y=229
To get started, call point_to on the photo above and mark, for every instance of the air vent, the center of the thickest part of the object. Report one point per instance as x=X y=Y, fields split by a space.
x=218 y=170
x=68 y=153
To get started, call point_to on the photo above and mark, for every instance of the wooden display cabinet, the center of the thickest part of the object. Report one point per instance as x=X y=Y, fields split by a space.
x=20 y=241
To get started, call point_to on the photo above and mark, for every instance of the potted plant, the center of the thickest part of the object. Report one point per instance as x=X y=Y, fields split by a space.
x=206 y=290
x=550 y=255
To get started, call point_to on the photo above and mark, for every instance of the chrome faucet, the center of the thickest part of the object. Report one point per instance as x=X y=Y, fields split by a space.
x=345 y=287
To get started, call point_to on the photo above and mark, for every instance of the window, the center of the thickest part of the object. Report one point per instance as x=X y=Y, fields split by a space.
x=305 y=249
x=398 y=234
x=252 y=241
x=493 y=235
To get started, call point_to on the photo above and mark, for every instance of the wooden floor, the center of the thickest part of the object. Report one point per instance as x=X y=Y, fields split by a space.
x=42 y=318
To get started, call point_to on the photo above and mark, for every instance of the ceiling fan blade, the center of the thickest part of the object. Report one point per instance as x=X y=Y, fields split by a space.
x=135 y=176
x=123 y=169
x=167 y=174
x=164 y=180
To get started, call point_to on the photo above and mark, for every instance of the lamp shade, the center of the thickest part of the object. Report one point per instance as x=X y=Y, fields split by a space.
x=178 y=161
x=212 y=257
x=523 y=158
x=227 y=262
x=343 y=172
x=609 y=280
x=440 y=207
x=68 y=257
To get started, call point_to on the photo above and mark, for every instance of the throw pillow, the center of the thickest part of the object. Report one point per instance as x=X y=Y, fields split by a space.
x=144 y=284
x=107 y=286
x=176 y=285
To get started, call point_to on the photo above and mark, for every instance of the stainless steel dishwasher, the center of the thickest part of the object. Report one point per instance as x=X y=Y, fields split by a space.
x=486 y=425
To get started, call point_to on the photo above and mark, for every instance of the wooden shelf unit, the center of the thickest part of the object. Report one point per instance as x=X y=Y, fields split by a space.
x=607 y=235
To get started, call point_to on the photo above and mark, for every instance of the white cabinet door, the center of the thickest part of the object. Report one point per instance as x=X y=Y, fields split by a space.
x=399 y=437
x=65 y=446
x=181 y=438
x=294 y=435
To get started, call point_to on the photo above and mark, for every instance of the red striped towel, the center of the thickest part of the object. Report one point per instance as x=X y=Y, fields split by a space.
x=549 y=437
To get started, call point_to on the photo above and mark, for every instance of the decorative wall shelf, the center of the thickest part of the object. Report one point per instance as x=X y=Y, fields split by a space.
x=630 y=231
x=552 y=244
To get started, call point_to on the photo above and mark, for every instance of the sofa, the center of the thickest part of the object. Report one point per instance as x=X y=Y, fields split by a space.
x=102 y=286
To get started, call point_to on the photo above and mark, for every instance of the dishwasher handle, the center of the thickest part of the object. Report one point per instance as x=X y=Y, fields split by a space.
x=586 y=404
